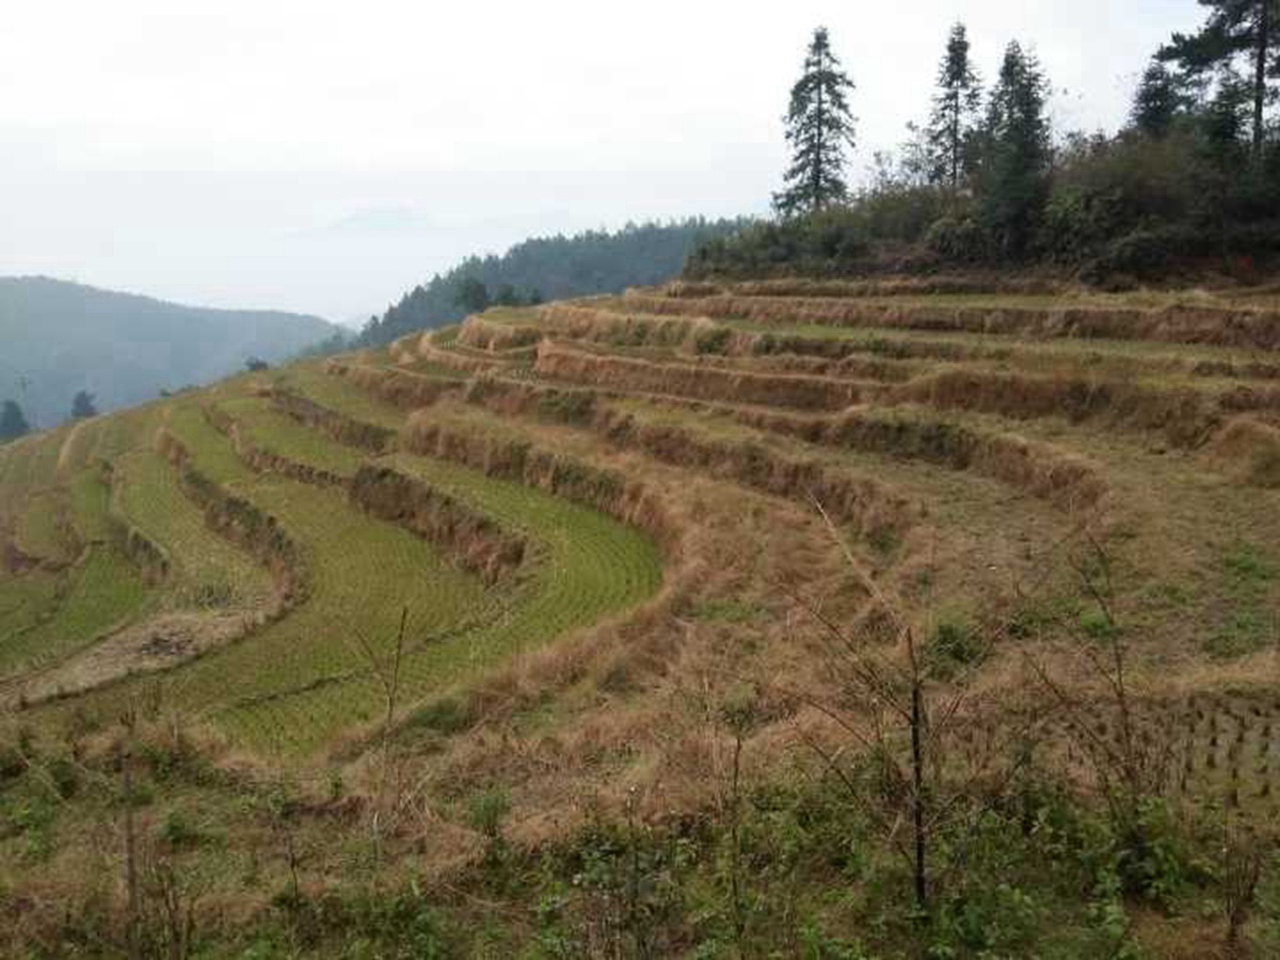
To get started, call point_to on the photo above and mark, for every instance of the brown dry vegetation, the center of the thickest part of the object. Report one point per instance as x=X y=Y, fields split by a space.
x=1178 y=322
x=994 y=501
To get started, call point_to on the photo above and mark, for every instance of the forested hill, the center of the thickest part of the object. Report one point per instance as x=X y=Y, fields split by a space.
x=551 y=268
x=58 y=338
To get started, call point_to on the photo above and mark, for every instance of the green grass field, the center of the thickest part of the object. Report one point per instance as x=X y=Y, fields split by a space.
x=587 y=566
x=207 y=571
x=297 y=684
x=101 y=592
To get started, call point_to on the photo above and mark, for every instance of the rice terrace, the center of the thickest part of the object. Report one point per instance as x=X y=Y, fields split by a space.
x=891 y=576
x=603 y=518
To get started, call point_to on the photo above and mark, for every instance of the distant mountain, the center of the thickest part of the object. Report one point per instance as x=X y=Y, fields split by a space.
x=59 y=338
x=553 y=268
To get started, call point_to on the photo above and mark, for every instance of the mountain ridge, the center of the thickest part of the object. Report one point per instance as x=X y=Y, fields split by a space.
x=61 y=336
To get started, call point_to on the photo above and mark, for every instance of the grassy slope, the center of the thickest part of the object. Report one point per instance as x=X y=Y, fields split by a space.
x=101 y=592
x=619 y=770
x=207 y=571
x=297 y=684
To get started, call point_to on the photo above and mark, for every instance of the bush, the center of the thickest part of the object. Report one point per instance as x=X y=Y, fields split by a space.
x=962 y=239
x=713 y=341
x=812 y=243
x=1128 y=204
x=445 y=716
x=487 y=811
x=899 y=212
x=1077 y=224
x=1146 y=252
x=1132 y=181
x=953 y=646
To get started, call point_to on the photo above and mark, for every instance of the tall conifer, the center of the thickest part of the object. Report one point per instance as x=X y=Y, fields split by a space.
x=13 y=423
x=955 y=112
x=819 y=129
x=1016 y=151
x=1158 y=101
x=1234 y=29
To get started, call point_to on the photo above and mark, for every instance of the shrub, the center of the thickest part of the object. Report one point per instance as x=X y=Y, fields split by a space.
x=445 y=716
x=898 y=211
x=487 y=811
x=1147 y=252
x=176 y=831
x=715 y=340
x=961 y=239
x=818 y=242
x=952 y=646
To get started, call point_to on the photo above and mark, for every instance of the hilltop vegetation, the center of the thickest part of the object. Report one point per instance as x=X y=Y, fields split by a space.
x=62 y=338
x=547 y=268
x=1188 y=188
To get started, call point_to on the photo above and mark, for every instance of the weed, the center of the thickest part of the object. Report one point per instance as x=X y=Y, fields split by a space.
x=953 y=646
x=487 y=812
x=1097 y=626
x=447 y=716
x=714 y=340
x=726 y=611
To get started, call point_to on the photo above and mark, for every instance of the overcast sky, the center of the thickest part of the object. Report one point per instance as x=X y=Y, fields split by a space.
x=323 y=157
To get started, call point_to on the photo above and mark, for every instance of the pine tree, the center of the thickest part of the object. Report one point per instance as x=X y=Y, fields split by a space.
x=955 y=112
x=507 y=296
x=13 y=422
x=472 y=296
x=1235 y=28
x=1159 y=100
x=82 y=406
x=1014 y=181
x=819 y=128
x=1225 y=120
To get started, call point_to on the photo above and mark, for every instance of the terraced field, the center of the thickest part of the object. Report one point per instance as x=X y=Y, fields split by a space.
x=975 y=444
x=574 y=574
x=649 y=474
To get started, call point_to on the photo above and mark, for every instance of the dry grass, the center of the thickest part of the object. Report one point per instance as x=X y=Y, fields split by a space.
x=697 y=382
x=1179 y=322
x=959 y=456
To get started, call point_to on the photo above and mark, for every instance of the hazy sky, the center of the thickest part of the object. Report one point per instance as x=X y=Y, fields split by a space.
x=323 y=157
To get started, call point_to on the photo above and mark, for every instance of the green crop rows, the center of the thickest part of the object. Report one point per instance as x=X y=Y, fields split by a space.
x=293 y=685
x=362 y=572
x=102 y=592
x=338 y=393
x=23 y=602
x=272 y=430
x=207 y=571
x=587 y=566
x=42 y=531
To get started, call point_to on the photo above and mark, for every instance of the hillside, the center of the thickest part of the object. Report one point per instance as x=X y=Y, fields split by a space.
x=65 y=337
x=551 y=268
x=893 y=618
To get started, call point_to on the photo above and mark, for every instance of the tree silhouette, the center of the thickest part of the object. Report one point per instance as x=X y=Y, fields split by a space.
x=13 y=422
x=819 y=128
x=82 y=406
x=472 y=296
x=1234 y=28
x=1158 y=101
x=955 y=112
x=1016 y=152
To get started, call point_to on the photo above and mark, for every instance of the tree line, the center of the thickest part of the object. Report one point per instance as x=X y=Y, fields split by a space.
x=1195 y=171
x=595 y=261
x=14 y=422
